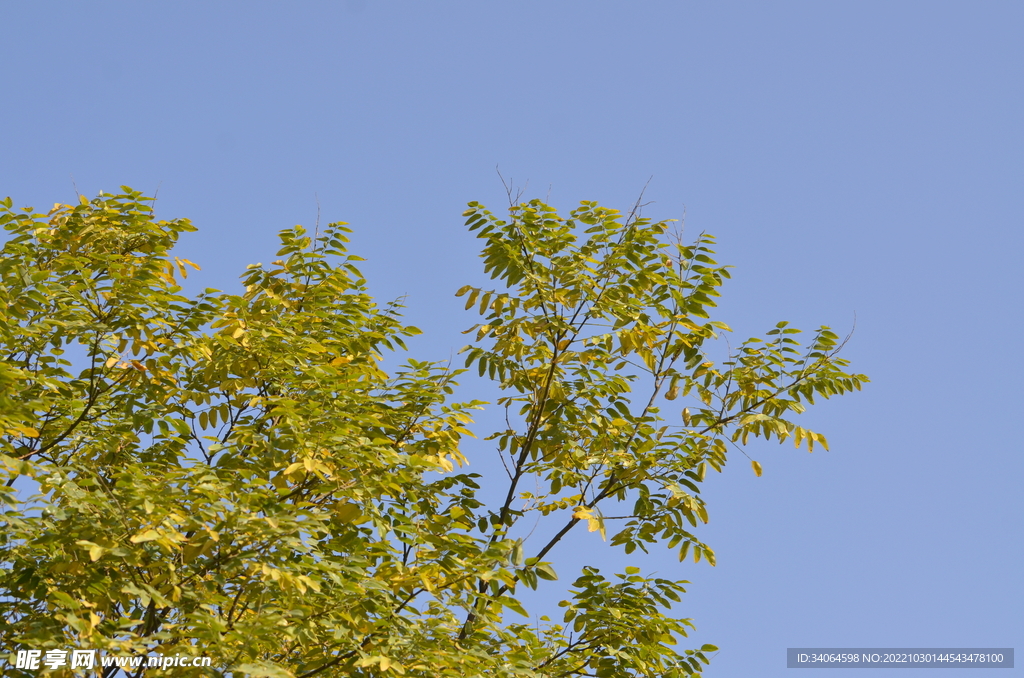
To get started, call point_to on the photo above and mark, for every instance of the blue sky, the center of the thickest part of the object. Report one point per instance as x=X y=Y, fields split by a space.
x=855 y=159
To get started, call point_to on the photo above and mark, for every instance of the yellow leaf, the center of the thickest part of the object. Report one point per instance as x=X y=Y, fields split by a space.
x=147 y=535
x=111 y=361
x=341 y=360
x=346 y=513
x=191 y=551
x=757 y=468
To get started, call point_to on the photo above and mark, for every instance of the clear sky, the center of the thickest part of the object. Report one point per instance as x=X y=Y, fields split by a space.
x=854 y=159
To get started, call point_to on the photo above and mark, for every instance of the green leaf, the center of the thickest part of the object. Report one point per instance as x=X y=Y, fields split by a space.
x=545 y=571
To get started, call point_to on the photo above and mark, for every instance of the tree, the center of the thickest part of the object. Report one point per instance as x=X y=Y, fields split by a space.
x=235 y=476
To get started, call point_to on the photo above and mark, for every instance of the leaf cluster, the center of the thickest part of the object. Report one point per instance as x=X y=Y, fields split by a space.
x=235 y=475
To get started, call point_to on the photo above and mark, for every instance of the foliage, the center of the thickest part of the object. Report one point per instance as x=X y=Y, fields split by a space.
x=235 y=476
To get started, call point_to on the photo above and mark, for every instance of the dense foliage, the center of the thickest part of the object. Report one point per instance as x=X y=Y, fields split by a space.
x=235 y=476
